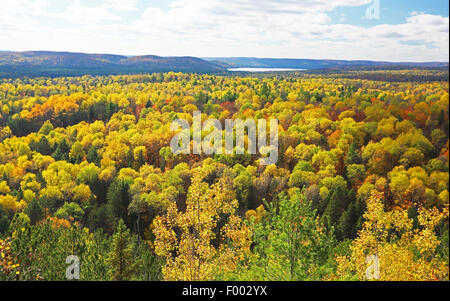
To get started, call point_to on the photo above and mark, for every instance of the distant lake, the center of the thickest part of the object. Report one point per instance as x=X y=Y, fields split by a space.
x=262 y=69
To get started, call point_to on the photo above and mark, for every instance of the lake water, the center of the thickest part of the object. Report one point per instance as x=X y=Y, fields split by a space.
x=262 y=69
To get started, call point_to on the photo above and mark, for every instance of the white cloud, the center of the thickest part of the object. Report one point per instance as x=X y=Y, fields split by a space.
x=262 y=28
x=21 y=14
x=293 y=29
x=121 y=5
x=89 y=15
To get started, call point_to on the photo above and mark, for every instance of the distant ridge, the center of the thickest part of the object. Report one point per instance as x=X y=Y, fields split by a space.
x=250 y=62
x=49 y=63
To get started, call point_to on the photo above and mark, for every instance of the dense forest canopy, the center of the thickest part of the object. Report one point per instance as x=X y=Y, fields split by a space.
x=363 y=169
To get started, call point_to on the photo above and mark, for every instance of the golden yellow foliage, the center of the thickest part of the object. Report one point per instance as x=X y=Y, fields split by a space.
x=255 y=215
x=204 y=248
x=10 y=203
x=404 y=253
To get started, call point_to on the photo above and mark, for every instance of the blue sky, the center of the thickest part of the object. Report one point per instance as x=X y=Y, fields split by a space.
x=392 y=12
x=411 y=30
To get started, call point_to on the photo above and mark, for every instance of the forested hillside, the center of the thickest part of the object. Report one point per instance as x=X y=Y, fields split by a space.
x=243 y=62
x=86 y=169
x=51 y=63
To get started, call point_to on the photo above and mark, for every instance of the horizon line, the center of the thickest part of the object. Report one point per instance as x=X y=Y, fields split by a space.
x=220 y=57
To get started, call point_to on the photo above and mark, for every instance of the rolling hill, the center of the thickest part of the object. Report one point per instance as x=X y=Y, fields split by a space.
x=52 y=64
x=310 y=64
x=48 y=63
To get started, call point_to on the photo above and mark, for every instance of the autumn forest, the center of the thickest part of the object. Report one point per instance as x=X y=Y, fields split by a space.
x=359 y=190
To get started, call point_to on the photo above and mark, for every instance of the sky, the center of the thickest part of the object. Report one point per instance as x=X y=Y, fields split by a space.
x=382 y=30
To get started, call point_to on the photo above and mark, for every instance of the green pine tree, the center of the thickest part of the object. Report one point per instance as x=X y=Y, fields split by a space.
x=353 y=155
x=34 y=211
x=345 y=228
x=118 y=200
x=332 y=212
x=120 y=259
x=290 y=243
x=141 y=158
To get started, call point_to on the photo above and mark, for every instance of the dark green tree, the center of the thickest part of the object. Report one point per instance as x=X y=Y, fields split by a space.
x=62 y=151
x=290 y=243
x=92 y=156
x=141 y=158
x=98 y=218
x=121 y=259
x=41 y=146
x=353 y=156
x=130 y=157
x=118 y=199
x=332 y=212
x=34 y=211
x=4 y=220
x=346 y=226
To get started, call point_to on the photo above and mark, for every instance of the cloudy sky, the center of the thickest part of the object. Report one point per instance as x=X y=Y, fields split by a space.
x=400 y=30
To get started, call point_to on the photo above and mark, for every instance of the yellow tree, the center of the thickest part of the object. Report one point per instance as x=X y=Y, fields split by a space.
x=207 y=238
x=388 y=248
